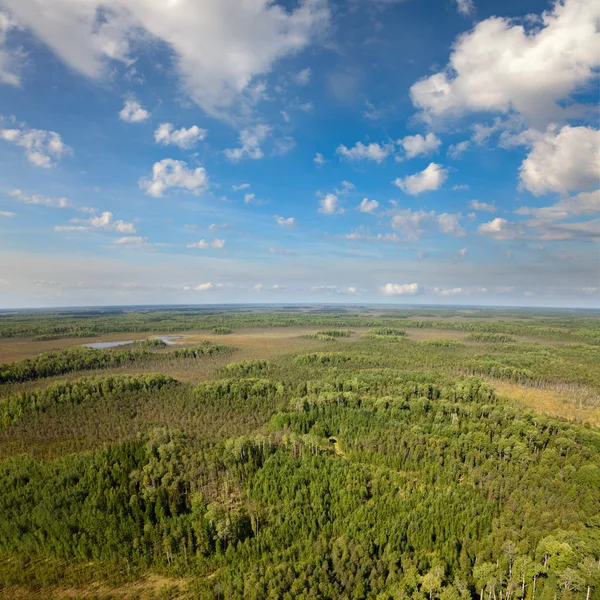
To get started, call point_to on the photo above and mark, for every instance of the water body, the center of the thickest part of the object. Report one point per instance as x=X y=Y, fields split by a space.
x=167 y=339
x=107 y=344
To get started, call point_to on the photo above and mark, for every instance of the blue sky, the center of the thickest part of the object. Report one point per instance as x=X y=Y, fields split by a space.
x=205 y=151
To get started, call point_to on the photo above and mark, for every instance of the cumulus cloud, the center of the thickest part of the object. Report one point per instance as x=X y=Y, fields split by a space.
x=499 y=229
x=345 y=188
x=457 y=150
x=169 y=173
x=42 y=147
x=8 y=214
x=130 y=240
x=476 y=205
x=502 y=65
x=360 y=151
x=104 y=222
x=562 y=161
x=166 y=134
x=242 y=186
x=203 y=287
x=412 y=224
x=585 y=203
x=283 y=222
x=417 y=145
x=41 y=200
x=319 y=159
x=429 y=179
x=133 y=112
x=330 y=205
x=250 y=144
x=216 y=244
x=219 y=47
x=368 y=206
x=400 y=289
x=450 y=224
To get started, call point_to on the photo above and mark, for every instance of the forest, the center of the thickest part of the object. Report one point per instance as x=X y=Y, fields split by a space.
x=301 y=452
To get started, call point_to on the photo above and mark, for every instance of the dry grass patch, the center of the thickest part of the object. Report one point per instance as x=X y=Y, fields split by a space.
x=418 y=334
x=553 y=402
x=152 y=586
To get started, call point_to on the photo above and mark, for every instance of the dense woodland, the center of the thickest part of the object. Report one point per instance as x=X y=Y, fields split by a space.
x=369 y=465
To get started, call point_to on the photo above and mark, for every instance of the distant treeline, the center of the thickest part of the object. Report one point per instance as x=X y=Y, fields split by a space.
x=55 y=326
x=59 y=362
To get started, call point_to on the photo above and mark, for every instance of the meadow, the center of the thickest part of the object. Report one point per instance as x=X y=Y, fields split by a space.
x=315 y=452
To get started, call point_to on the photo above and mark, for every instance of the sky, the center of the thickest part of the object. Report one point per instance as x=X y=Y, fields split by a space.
x=345 y=151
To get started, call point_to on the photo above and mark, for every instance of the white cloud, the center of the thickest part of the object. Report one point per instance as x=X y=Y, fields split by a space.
x=250 y=143
x=373 y=151
x=104 y=222
x=462 y=253
x=458 y=291
x=368 y=206
x=8 y=214
x=258 y=287
x=360 y=236
x=169 y=173
x=133 y=112
x=449 y=224
x=429 y=179
x=216 y=244
x=476 y=205
x=249 y=198
x=561 y=162
x=410 y=223
x=283 y=146
x=501 y=66
x=417 y=145
x=203 y=287
x=184 y=138
x=219 y=47
x=10 y=60
x=319 y=159
x=499 y=229
x=457 y=150
x=460 y=187
x=281 y=251
x=41 y=200
x=215 y=226
x=242 y=186
x=130 y=240
x=303 y=77
x=283 y=222
x=41 y=147
x=585 y=203
x=400 y=289
x=345 y=188
x=330 y=205
x=448 y=291
x=334 y=289
x=465 y=7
